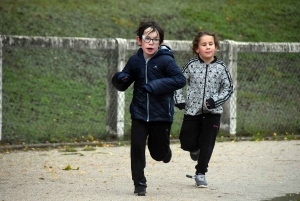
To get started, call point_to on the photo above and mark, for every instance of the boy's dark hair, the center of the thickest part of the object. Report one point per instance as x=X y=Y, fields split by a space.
x=155 y=27
x=202 y=33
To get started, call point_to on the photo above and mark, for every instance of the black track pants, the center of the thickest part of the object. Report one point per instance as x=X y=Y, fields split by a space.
x=200 y=132
x=158 y=134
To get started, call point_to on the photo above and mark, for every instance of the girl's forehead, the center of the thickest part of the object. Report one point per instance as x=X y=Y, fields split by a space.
x=206 y=38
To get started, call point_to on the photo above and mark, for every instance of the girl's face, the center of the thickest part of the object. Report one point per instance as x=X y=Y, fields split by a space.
x=149 y=42
x=206 y=48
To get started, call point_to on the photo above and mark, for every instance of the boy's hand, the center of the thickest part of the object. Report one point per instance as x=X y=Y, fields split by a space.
x=147 y=89
x=123 y=77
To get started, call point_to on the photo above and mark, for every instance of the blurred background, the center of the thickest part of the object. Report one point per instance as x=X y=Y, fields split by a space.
x=58 y=95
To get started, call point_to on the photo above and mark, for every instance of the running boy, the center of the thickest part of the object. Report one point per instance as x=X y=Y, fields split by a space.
x=156 y=76
x=209 y=85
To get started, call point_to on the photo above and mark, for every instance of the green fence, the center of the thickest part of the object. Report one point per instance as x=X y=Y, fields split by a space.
x=58 y=89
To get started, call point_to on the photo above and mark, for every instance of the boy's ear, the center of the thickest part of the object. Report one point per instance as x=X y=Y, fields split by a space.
x=138 y=40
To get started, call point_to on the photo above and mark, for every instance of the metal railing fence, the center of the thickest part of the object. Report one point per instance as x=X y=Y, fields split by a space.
x=58 y=89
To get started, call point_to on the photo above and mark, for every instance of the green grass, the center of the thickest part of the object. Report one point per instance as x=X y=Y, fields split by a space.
x=268 y=93
x=243 y=20
x=59 y=95
x=53 y=95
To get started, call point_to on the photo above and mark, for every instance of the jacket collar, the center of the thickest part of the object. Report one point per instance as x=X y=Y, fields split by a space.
x=213 y=61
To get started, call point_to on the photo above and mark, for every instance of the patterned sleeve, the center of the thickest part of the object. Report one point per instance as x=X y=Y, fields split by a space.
x=179 y=94
x=227 y=88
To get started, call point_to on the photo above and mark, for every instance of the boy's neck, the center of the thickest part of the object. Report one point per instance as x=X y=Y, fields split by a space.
x=147 y=58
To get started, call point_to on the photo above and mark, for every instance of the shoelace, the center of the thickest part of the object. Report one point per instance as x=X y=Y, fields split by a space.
x=192 y=176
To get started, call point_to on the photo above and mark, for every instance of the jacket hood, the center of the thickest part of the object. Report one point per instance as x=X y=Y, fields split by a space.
x=166 y=50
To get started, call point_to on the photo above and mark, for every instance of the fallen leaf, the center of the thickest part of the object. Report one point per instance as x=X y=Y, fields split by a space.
x=69 y=168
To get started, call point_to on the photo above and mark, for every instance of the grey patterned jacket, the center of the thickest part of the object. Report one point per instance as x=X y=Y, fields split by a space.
x=211 y=83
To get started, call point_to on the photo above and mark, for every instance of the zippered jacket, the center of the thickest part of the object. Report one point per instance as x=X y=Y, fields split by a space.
x=155 y=81
x=205 y=83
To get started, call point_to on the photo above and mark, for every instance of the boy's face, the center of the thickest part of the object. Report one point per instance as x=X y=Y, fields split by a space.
x=149 y=43
x=206 y=48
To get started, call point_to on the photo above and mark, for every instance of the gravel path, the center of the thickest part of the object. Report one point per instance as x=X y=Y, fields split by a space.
x=238 y=171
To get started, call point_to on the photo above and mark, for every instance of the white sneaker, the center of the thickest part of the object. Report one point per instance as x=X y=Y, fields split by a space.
x=200 y=181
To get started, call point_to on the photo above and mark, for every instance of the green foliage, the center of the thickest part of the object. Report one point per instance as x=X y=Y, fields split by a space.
x=56 y=92
x=70 y=149
x=88 y=148
x=268 y=94
x=241 y=20
x=67 y=88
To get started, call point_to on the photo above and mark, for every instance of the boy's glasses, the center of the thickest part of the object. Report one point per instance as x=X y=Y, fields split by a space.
x=148 y=39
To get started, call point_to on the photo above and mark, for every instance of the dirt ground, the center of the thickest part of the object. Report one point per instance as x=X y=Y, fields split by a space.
x=237 y=171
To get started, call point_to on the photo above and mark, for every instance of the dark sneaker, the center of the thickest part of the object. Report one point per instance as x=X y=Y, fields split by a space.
x=140 y=189
x=200 y=181
x=195 y=155
x=168 y=158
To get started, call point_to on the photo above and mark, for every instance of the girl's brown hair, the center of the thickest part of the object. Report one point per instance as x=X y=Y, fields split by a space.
x=202 y=33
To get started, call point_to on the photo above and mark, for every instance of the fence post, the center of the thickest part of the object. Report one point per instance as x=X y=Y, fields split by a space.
x=115 y=100
x=231 y=61
x=0 y=88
